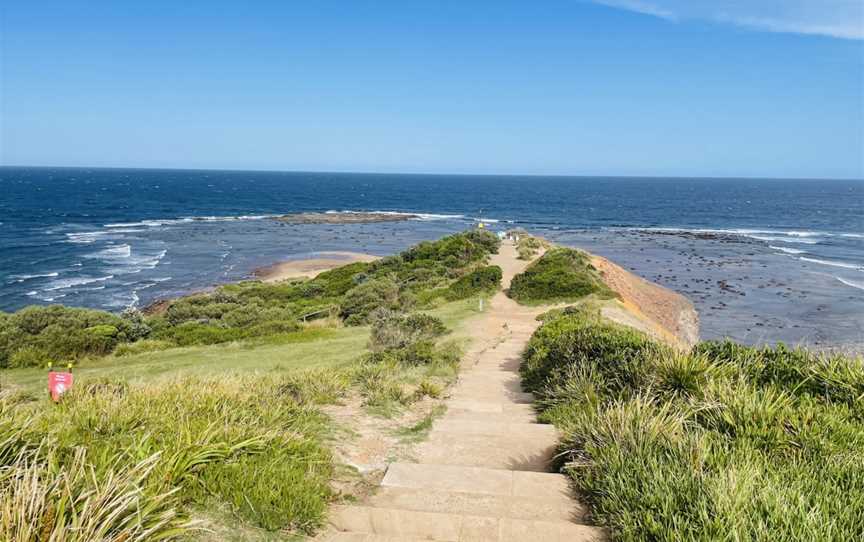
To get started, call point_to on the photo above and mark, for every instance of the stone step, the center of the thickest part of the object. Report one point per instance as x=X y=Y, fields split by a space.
x=489 y=407
x=409 y=524
x=490 y=417
x=478 y=480
x=477 y=504
x=493 y=394
x=486 y=427
x=363 y=537
x=511 y=452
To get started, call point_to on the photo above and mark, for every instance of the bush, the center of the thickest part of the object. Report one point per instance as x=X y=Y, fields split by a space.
x=141 y=347
x=561 y=274
x=483 y=280
x=392 y=330
x=361 y=300
x=193 y=333
x=61 y=333
x=29 y=356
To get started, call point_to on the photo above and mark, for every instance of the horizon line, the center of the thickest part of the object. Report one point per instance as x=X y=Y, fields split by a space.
x=453 y=174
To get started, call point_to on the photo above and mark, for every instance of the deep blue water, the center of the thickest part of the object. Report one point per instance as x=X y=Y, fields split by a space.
x=109 y=238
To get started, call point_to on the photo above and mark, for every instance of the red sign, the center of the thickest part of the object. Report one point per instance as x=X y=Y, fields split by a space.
x=58 y=384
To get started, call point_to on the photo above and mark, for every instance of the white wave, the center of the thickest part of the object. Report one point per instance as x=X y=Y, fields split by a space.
x=155 y=223
x=22 y=278
x=788 y=250
x=738 y=231
x=137 y=264
x=784 y=239
x=832 y=263
x=852 y=283
x=70 y=283
x=84 y=238
x=853 y=235
x=121 y=251
x=433 y=216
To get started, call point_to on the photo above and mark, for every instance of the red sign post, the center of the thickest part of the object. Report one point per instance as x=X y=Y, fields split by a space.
x=58 y=384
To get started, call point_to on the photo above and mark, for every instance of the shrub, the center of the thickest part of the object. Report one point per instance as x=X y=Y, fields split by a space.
x=61 y=332
x=141 y=347
x=364 y=298
x=483 y=280
x=392 y=330
x=29 y=356
x=193 y=333
x=561 y=274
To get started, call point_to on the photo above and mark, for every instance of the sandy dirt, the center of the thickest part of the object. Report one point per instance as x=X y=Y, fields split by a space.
x=311 y=267
x=651 y=308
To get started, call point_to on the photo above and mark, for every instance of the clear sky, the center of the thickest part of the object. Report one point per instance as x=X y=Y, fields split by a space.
x=769 y=88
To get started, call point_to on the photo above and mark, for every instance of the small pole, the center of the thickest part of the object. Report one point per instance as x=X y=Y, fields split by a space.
x=481 y=304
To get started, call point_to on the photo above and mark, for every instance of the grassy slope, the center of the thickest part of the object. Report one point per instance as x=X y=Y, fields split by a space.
x=726 y=443
x=309 y=349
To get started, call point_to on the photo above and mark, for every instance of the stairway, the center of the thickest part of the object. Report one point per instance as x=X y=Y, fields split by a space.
x=482 y=473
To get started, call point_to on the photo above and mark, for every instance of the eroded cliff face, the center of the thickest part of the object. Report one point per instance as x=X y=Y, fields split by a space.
x=658 y=311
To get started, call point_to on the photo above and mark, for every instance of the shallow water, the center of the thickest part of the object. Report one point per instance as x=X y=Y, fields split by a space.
x=763 y=260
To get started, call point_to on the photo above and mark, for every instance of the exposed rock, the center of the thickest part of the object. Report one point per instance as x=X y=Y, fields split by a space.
x=344 y=218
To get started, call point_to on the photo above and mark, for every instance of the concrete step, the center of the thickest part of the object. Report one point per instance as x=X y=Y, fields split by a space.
x=490 y=417
x=512 y=452
x=485 y=427
x=489 y=407
x=409 y=524
x=493 y=393
x=477 y=504
x=363 y=537
x=478 y=480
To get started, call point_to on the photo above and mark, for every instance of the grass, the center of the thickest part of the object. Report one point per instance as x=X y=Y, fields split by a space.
x=560 y=275
x=724 y=443
x=314 y=347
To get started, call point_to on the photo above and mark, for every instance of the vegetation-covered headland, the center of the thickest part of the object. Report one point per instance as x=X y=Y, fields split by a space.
x=167 y=447
x=716 y=442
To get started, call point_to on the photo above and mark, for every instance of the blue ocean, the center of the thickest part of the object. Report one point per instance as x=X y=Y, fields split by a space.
x=764 y=260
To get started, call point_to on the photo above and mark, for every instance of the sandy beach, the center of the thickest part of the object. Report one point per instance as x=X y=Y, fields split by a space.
x=309 y=267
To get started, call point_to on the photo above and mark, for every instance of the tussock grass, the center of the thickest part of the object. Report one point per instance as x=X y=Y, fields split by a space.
x=726 y=443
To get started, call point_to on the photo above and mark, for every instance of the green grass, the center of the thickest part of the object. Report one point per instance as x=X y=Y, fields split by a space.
x=315 y=347
x=560 y=275
x=725 y=443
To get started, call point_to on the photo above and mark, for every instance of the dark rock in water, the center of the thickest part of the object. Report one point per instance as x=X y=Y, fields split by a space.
x=344 y=218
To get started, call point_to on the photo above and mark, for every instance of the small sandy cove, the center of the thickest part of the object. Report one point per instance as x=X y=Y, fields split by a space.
x=310 y=267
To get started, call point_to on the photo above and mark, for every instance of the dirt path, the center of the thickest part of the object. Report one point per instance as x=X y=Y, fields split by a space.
x=482 y=474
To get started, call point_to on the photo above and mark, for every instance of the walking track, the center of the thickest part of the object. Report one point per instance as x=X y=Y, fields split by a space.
x=483 y=473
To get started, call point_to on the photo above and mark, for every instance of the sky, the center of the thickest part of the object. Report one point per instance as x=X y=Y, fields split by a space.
x=748 y=88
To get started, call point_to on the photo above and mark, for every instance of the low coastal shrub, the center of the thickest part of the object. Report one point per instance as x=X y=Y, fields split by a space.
x=561 y=274
x=528 y=246
x=59 y=333
x=726 y=442
x=484 y=280
x=392 y=330
x=360 y=301
x=141 y=347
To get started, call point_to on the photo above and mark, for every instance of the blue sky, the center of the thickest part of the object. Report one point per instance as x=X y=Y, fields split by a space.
x=768 y=88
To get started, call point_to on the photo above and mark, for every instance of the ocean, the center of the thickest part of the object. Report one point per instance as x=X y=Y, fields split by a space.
x=764 y=260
